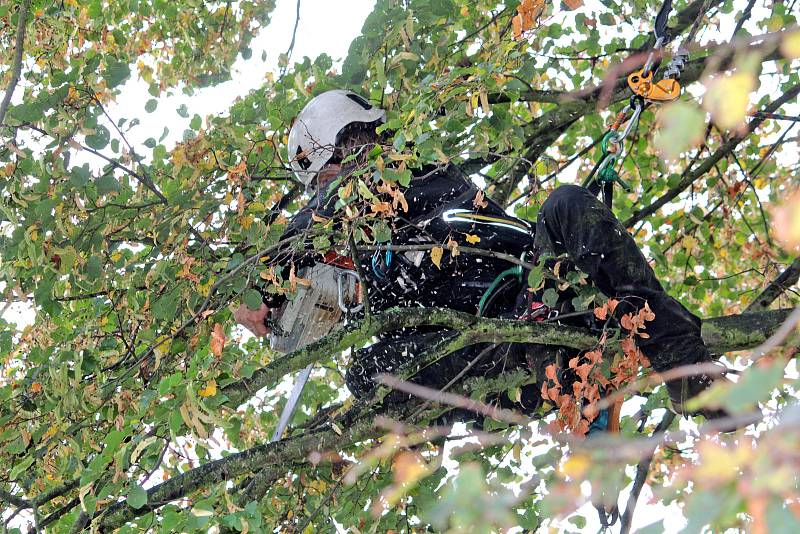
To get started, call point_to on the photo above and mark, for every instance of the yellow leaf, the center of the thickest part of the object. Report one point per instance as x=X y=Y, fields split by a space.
x=728 y=98
x=472 y=239
x=484 y=95
x=408 y=467
x=246 y=221
x=681 y=126
x=717 y=463
x=210 y=390
x=575 y=466
x=436 y=256
x=790 y=45
x=786 y=222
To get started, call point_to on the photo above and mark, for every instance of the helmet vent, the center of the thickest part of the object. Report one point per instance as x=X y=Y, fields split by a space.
x=359 y=100
x=302 y=160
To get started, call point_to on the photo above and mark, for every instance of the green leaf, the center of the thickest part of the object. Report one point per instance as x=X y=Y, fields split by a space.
x=137 y=496
x=550 y=297
x=20 y=467
x=196 y=122
x=536 y=277
x=151 y=105
x=116 y=72
x=682 y=127
x=80 y=176
x=94 y=266
x=99 y=139
x=28 y=112
x=107 y=184
x=252 y=299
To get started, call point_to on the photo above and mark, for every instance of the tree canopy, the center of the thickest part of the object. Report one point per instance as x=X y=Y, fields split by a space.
x=134 y=402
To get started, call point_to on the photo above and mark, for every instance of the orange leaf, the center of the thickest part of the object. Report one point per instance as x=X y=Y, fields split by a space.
x=573 y=4
x=36 y=387
x=516 y=27
x=627 y=322
x=452 y=244
x=217 y=340
x=550 y=372
x=479 y=201
x=601 y=312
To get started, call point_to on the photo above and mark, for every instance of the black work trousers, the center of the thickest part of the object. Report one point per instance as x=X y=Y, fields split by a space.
x=572 y=222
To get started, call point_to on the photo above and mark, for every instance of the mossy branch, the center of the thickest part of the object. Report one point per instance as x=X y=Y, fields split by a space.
x=722 y=334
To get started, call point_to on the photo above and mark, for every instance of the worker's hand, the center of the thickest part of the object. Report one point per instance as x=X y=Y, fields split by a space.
x=253 y=320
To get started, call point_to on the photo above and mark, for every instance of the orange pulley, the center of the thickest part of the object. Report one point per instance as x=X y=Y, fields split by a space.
x=642 y=84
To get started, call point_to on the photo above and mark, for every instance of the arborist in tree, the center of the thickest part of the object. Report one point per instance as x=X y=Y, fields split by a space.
x=330 y=141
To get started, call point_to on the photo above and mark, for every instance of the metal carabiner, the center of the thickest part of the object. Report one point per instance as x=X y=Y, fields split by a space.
x=344 y=273
x=633 y=122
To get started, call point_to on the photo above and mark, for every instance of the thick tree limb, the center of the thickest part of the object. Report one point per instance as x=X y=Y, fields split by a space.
x=16 y=68
x=775 y=289
x=689 y=176
x=736 y=332
x=235 y=465
x=721 y=334
x=473 y=328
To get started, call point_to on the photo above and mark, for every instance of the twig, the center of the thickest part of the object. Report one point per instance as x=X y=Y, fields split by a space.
x=16 y=69
x=294 y=36
x=458 y=401
x=642 y=469
x=114 y=163
x=689 y=176
x=146 y=180
x=361 y=276
x=744 y=18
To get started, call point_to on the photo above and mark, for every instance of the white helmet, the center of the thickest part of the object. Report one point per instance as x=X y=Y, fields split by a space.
x=313 y=134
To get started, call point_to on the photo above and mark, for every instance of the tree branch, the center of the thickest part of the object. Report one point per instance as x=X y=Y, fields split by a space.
x=689 y=177
x=642 y=469
x=775 y=289
x=16 y=69
x=721 y=334
x=545 y=130
x=726 y=333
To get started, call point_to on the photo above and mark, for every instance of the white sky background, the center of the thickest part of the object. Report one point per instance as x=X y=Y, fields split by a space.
x=328 y=27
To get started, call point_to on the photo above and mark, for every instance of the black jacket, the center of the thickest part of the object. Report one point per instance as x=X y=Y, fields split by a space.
x=441 y=206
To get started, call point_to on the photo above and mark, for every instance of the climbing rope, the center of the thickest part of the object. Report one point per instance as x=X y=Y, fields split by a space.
x=513 y=271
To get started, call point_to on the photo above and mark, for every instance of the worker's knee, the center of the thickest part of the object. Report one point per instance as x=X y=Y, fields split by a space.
x=568 y=196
